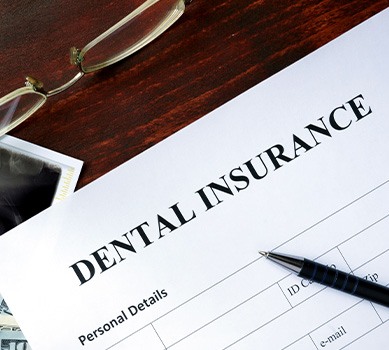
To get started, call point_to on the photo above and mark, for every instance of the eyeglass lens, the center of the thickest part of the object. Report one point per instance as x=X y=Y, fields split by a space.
x=144 y=25
x=18 y=109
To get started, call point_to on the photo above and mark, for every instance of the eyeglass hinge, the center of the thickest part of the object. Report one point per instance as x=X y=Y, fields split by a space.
x=35 y=84
x=75 y=58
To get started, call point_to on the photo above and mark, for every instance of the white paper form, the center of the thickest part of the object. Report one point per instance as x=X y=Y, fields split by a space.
x=162 y=253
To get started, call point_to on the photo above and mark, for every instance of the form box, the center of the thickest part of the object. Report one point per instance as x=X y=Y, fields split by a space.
x=228 y=327
x=347 y=327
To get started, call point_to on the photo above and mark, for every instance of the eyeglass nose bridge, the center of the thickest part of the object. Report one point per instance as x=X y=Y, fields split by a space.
x=67 y=85
x=38 y=85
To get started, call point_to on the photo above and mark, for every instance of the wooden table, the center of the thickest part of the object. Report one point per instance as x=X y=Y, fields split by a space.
x=215 y=51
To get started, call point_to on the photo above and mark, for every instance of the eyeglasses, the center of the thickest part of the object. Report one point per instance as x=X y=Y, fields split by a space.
x=127 y=36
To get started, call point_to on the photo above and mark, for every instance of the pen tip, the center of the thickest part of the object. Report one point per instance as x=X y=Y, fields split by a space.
x=263 y=253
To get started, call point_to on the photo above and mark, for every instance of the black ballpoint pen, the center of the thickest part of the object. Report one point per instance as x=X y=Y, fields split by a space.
x=332 y=277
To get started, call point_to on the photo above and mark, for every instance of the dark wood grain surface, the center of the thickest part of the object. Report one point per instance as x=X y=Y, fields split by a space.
x=215 y=51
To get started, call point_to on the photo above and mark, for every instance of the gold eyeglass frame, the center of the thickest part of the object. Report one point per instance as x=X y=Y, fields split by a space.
x=34 y=86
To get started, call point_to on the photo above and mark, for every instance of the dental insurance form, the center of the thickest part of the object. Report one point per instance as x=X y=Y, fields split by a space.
x=162 y=252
